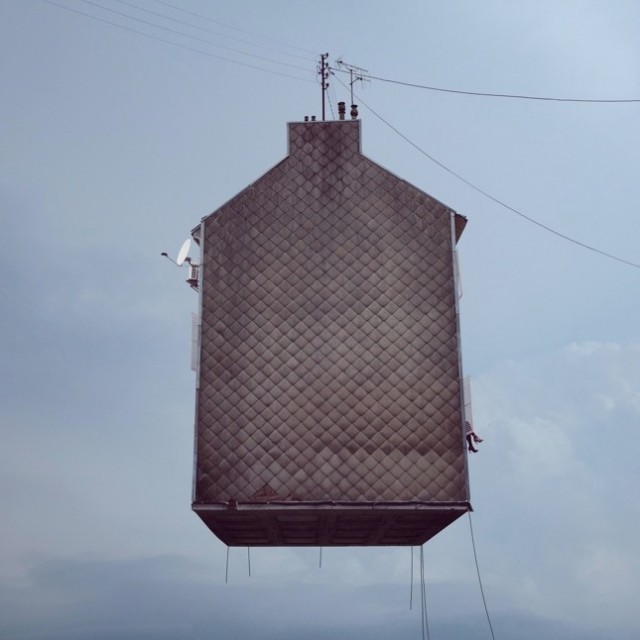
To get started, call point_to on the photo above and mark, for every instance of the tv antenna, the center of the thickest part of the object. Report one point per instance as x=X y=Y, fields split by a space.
x=183 y=258
x=356 y=74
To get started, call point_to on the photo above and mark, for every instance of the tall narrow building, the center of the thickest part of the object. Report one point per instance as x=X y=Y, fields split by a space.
x=329 y=388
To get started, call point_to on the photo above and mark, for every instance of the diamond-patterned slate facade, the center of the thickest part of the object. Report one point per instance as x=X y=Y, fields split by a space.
x=329 y=400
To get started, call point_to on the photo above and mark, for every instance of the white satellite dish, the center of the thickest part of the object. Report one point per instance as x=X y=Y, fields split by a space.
x=184 y=252
x=182 y=257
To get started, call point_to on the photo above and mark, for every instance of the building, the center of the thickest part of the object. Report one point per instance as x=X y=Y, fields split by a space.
x=329 y=403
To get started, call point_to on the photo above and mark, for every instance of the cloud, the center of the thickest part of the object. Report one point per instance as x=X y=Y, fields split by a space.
x=171 y=598
x=557 y=473
x=554 y=487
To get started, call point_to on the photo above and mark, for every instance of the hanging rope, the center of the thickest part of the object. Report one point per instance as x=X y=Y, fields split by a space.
x=226 y=570
x=423 y=590
x=475 y=555
x=411 y=583
x=249 y=560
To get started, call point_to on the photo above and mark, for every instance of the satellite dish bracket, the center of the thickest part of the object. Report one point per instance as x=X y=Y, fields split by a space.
x=183 y=258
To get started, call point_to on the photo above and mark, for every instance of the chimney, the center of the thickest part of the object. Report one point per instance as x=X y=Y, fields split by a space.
x=354 y=111
x=342 y=110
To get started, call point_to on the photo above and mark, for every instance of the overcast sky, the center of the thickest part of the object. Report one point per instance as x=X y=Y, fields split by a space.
x=113 y=146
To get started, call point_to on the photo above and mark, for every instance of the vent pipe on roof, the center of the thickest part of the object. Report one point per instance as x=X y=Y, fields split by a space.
x=342 y=110
x=313 y=118
x=306 y=118
x=354 y=111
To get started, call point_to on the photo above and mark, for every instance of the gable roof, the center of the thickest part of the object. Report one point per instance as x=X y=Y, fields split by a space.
x=330 y=146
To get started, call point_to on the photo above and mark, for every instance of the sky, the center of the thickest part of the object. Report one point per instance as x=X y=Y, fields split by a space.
x=116 y=140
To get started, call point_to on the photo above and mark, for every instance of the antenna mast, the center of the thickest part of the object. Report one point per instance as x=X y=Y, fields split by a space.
x=323 y=72
x=356 y=74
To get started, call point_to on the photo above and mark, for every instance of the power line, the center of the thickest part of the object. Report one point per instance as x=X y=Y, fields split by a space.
x=497 y=95
x=199 y=15
x=493 y=198
x=186 y=35
x=216 y=33
x=175 y=44
x=331 y=101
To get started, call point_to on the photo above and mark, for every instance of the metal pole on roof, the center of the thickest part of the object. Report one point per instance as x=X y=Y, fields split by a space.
x=324 y=76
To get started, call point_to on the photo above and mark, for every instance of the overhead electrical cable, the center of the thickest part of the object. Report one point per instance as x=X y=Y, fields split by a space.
x=251 y=33
x=176 y=44
x=331 y=93
x=493 y=198
x=368 y=76
x=211 y=31
x=187 y=35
